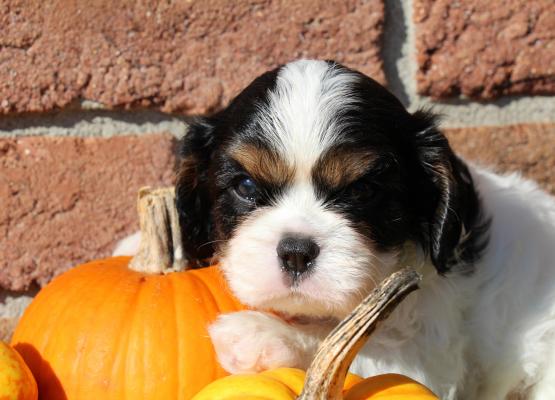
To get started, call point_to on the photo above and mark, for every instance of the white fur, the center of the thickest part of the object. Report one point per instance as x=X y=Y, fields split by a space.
x=301 y=122
x=513 y=315
x=128 y=246
x=256 y=341
x=480 y=336
x=346 y=269
x=300 y=118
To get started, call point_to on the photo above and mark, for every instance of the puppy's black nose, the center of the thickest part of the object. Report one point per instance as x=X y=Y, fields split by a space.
x=297 y=254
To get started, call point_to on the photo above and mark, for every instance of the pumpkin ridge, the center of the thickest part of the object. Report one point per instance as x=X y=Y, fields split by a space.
x=123 y=339
x=138 y=319
x=112 y=295
x=93 y=309
x=202 y=287
x=208 y=295
x=216 y=281
x=59 y=317
x=171 y=288
x=175 y=282
x=74 y=297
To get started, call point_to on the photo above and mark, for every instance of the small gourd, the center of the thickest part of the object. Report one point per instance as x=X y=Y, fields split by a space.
x=16 y=380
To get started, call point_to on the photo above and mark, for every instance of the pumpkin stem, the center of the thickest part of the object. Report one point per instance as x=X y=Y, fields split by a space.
x=326 y=375
x=161 y=248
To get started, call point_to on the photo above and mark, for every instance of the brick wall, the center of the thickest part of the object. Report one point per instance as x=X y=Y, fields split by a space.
x=93 y=97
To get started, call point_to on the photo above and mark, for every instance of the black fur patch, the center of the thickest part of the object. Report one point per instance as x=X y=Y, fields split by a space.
x=414 y=188
x=199 y=199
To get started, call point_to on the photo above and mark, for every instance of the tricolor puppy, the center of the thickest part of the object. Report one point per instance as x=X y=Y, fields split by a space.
x=316 y=183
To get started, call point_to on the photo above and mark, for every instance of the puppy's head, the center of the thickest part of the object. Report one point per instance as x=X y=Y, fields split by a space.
x=311 y=181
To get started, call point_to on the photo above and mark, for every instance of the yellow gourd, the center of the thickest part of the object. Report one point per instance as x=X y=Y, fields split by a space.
x=287 y=384
x=16 y=380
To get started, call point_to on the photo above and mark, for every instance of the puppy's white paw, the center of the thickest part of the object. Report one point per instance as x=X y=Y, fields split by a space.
x=252 y=341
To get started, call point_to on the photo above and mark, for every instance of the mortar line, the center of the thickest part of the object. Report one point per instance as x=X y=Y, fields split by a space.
x=401 y=66
x=93 y=123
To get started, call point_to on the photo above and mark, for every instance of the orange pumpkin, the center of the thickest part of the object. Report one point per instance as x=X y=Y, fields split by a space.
x=103 y=331
x=106 y=331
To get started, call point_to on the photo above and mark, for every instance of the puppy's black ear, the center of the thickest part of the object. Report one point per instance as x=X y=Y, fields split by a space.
x=454 y=223
x=192 y=191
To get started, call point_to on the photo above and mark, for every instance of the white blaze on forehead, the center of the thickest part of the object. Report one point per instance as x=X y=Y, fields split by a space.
x=301 y=119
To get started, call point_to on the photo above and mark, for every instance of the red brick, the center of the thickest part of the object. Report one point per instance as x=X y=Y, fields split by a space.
x=66 y=200
x=483 y=49
x=524 y=148
x=187 y=56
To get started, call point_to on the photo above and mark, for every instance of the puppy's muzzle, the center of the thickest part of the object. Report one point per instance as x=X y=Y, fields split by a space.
x=297 y=255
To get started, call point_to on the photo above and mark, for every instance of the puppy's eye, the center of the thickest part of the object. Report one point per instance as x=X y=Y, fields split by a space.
x=362 y=189
x=362 y=186
x=246 y=189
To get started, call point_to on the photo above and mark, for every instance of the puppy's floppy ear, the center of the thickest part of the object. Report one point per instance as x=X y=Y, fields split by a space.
x=192 y=191
x=455 y=227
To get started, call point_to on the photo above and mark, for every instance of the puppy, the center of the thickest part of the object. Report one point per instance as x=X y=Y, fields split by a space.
x=315 y=183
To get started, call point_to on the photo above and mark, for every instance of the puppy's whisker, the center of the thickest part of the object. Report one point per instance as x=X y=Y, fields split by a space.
x=211 y=242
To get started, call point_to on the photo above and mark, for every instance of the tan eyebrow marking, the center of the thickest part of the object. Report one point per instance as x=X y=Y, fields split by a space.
x=339 y=167
x=262 y=164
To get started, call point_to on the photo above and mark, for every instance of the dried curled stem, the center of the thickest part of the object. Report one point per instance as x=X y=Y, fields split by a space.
x=326 y=375
x=161 y=248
